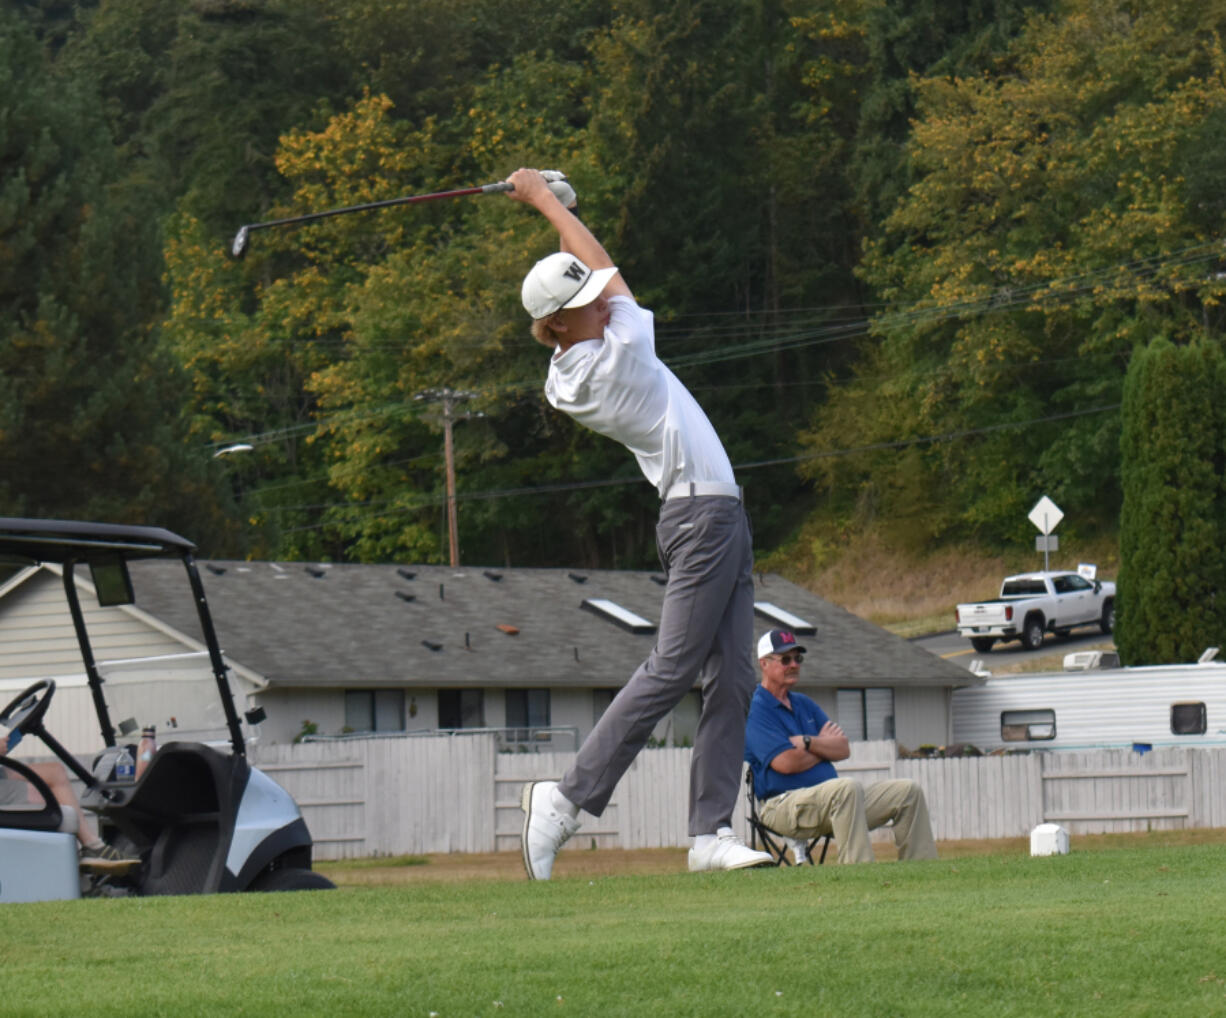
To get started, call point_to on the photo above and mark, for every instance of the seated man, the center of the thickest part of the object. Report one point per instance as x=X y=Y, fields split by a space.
x=791 y=744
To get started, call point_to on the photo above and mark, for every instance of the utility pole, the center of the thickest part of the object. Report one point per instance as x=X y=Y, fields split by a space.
x=449 y=398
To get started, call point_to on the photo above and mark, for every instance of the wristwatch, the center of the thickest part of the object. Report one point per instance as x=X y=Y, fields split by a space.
x=808 y=739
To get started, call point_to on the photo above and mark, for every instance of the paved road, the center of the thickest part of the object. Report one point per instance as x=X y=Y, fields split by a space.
x=958 y=649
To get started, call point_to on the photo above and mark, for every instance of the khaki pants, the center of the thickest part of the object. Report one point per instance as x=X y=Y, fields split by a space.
x=845 y=809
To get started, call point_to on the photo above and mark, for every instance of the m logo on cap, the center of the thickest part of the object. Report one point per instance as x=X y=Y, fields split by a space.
x=576 y=272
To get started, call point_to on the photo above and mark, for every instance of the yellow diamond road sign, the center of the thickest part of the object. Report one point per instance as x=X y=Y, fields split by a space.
x=1046 y=515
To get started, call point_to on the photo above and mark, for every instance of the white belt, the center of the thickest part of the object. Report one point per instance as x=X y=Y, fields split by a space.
x=694 y=489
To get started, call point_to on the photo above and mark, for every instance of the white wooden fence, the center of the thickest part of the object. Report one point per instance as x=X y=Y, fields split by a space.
x=458 y=794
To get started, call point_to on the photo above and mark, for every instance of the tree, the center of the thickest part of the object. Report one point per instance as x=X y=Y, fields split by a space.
x=1049 y=230
x=87 y=404
x=1173 y=520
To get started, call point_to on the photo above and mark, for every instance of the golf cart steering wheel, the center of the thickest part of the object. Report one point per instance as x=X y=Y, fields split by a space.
x=25 y=711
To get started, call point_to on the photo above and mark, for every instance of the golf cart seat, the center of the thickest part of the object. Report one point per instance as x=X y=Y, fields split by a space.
x=179 y=816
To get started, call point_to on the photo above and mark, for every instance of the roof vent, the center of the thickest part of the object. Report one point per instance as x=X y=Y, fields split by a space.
x=215 y=570
x=661 y=580
x=436 y=647
x=489 y=574
x=509 y=630
x=618 y=615
x=773 y=613
x=577 y=577
x=315 y=571
x=408 y=574
x=406 y=597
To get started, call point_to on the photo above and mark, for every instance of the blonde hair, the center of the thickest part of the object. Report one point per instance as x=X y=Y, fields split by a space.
x=543 y=332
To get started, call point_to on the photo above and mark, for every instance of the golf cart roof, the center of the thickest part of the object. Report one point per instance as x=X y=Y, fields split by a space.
x=28 y=541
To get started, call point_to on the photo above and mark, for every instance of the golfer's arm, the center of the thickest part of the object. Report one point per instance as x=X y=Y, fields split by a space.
x=575 y=238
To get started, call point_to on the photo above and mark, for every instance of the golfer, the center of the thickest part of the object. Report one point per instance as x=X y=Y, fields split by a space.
x=605 y=374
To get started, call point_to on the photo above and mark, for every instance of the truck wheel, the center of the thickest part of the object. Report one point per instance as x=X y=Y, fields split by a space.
x=982 y=643
x=292 y=879
x=1032 y=633
x=1107 y=622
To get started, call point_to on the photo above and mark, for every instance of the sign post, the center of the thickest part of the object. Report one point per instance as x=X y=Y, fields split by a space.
x=1046 y=516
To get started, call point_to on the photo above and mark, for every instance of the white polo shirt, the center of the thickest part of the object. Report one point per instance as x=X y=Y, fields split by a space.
x=618 y=387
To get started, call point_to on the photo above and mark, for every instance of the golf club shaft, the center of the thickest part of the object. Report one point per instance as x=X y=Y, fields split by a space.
x=483 y=189
x=238 y=246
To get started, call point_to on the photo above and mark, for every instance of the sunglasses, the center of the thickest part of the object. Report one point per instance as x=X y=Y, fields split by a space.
x=786 y=659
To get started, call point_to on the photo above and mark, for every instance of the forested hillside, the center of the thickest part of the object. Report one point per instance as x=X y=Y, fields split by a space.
x=901 y=251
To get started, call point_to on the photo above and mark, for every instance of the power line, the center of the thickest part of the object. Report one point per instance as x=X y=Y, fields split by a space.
x=428 y=501
x=788 y=336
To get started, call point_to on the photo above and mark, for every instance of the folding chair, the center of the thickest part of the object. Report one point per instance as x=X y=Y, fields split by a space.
x=773 y=842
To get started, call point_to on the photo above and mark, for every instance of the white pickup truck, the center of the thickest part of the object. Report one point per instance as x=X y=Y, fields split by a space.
x=1031 y=604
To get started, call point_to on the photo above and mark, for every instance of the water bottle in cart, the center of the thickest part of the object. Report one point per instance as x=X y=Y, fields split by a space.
x=144 y=752
x=125 y=766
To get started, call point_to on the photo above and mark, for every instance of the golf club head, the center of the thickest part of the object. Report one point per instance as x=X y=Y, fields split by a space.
x=238 y=247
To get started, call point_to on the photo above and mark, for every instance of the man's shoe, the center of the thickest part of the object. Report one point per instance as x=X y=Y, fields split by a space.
x=726 y=851
x=545 y=828
x=104 y=858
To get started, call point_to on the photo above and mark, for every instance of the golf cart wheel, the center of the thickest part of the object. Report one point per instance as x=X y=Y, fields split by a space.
x=983 y=644
x=292 y=879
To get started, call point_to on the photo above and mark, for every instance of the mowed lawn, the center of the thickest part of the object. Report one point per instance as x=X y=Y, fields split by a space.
x=1137 y=930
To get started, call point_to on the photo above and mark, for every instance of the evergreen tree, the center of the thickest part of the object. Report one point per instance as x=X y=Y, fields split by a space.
x=87 y=404
x=1169 y=605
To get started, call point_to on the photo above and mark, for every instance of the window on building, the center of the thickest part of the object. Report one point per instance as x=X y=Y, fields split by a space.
x=1189 y=719
x=526 y=709
x=865 y=714
x=374 y=710
x=1027 y=725
x=461 y=708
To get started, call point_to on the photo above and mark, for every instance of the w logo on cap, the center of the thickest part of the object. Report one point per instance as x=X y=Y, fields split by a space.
x=576 y=272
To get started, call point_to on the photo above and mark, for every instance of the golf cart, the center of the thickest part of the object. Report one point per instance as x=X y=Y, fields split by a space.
x=200 y=818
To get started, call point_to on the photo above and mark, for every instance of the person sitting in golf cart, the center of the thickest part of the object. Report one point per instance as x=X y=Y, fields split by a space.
x=16 y=791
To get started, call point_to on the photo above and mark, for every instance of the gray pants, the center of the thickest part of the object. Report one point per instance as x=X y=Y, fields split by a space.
x=705 y=637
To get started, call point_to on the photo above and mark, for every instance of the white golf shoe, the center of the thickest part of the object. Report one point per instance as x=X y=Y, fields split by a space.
x=725 y=851
x=546 y=829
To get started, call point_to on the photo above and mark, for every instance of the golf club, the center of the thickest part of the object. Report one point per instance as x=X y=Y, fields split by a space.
x=238 y=246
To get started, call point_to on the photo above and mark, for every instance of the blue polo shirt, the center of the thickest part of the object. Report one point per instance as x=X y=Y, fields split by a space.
x=767 y=735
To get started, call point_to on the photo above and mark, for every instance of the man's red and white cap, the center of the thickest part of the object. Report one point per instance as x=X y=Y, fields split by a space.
x=778 y=641
x=562 y=281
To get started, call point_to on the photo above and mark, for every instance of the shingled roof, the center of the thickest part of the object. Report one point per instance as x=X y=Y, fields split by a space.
x=300 y=624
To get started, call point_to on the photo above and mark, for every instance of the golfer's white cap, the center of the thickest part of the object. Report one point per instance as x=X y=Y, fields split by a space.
x=562 y=281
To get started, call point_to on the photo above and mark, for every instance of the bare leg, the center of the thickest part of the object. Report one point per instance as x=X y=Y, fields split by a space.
x=57 y=780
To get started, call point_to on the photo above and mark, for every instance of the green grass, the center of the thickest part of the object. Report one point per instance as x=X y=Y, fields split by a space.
x=1119 y=932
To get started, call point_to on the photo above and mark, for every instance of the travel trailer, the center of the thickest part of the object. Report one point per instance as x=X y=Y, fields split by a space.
x=1159 y=705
